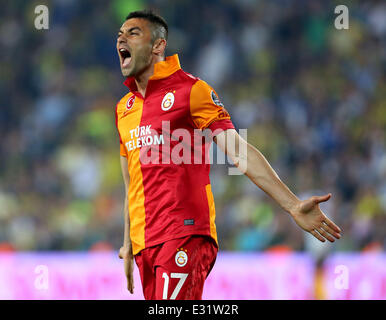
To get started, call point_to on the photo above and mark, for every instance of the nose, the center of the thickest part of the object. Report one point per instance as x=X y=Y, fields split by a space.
x=121 y=39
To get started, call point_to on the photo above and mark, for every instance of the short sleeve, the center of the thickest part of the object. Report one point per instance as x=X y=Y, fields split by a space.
x=122 y=149
x=207 y=110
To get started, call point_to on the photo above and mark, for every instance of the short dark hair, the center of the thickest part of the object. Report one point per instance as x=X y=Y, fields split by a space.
x=160 y=28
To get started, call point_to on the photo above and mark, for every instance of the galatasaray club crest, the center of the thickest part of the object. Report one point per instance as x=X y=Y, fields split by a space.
x=130 y=103
x=181 y=257
x=167 y=101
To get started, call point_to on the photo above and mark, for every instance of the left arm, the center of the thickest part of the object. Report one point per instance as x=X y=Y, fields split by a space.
x=251 y=161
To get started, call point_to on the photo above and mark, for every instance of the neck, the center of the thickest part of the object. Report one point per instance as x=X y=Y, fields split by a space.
x=142 y=79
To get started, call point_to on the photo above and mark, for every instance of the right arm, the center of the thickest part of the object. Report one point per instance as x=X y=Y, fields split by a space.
x=126 y=179
x=126 y=252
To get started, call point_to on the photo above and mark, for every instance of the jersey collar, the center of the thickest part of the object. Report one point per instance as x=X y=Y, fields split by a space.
x=162 y=70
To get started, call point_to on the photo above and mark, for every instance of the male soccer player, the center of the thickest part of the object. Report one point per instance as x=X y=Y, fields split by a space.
x=169 y=209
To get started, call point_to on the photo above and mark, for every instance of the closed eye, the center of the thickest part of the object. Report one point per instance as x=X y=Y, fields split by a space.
x=131 y=34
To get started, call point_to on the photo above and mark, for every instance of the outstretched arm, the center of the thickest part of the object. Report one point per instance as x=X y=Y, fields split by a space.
x=253 y=164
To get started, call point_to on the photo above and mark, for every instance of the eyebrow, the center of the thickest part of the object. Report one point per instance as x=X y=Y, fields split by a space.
x=130 y=30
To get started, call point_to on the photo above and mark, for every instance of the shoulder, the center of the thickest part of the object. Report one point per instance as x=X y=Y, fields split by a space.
x=186 y=78
x=190 y=76
x=202 y=90
x=198 y=86
x=201 y=85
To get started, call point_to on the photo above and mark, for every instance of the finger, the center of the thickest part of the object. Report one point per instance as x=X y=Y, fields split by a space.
x=332 y=225
x=330 y=230
x=322 y=198
x=325 y=234
x=317 y=235
x=129 y=275
x=130 y=284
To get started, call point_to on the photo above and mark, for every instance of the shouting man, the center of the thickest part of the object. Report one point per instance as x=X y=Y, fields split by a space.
x=169 y=208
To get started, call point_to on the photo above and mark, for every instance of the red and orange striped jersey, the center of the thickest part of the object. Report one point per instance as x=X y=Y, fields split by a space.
x=169 y=199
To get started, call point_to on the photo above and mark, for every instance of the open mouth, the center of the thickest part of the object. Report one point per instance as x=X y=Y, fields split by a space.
x=126 y=57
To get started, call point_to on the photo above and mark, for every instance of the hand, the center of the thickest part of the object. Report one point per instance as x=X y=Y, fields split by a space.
x=309 y=217
x=127 y=255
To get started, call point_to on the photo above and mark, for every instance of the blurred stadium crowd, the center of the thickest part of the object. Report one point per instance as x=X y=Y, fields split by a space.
x=312 y=98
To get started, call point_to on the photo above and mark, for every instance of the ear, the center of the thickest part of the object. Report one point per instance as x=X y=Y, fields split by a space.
x=159 y=47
